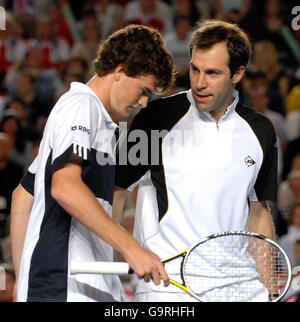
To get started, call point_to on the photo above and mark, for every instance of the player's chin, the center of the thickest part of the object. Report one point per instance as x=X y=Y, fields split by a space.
x=125 y=113
x=204 y=107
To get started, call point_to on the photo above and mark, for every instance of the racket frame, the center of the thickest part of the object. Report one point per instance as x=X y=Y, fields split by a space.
x=186 y=287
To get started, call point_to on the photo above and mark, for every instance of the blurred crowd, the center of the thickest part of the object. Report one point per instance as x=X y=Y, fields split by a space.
x=46 y=45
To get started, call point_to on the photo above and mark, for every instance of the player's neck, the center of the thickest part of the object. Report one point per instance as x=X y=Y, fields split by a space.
x=101 y=87
x=219 y=112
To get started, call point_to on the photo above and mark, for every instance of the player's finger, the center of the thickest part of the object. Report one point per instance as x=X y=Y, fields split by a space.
x=164 y=276
x=147 y=278
x=156 y=278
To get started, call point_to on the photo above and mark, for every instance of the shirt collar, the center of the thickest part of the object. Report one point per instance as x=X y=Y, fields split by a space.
x=86 y=89
x=207 y=115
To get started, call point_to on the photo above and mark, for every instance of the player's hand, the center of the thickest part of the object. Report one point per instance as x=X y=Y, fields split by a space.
x=147 y=265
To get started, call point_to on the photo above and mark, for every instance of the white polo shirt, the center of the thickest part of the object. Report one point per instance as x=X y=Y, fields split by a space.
x=79 y=124
x=206 y=175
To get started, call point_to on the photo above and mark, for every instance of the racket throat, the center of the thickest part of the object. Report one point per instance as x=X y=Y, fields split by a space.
x=181 y=286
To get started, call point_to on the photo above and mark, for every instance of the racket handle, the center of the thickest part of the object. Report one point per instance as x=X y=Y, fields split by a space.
x=119 y=268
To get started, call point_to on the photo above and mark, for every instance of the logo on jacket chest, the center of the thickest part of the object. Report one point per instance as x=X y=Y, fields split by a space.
x=249 y=161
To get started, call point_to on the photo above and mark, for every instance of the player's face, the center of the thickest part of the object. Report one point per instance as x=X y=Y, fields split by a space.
x=130 y=94
x=211 y=82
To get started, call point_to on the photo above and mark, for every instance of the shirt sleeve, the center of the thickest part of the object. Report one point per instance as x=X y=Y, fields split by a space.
x=134 y=153
x=267 y=180
x=73 y=130
x=27 y=182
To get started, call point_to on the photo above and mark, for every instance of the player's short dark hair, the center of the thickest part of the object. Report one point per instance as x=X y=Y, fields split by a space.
x=140 y=50
x=211 y=31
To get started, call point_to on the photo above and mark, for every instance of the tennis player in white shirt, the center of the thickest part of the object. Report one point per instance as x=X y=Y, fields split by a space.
x=72 y=191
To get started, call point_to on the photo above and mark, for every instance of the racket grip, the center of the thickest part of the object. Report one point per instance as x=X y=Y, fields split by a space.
x=119 y=268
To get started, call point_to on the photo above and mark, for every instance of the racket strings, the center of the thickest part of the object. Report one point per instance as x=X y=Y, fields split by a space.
x=235 y=268
x=270 y=265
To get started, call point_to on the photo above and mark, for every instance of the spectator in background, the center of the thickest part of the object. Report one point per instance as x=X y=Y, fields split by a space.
x=19 y=108
x=87 y=48
x=265 y=60
x=273 y=26
x=177 y=43
x=76 y=71
x=293 y=113
x=154 y=13
x=260 y=102
x=45 y=84
x=63 y=20
x=259 y=79
x=231 y=10
x=109 y=15
x=24 y=27
x=187 y=8
x=55 y=50
x=12 y=50
x=25 y=90
x=293 y=99
x=24 y=7
x=21 y=147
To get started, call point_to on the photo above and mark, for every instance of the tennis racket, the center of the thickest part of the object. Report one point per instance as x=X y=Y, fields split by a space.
x=232 y=266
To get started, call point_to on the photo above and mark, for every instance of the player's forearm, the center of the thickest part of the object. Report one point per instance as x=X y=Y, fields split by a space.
x=260 y=220
x=22 y=202
x=77 y=199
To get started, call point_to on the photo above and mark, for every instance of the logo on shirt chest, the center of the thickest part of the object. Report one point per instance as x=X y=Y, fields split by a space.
x=249 y=161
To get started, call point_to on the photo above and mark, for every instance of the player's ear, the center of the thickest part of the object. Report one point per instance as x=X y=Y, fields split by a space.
x=238 y=75
x=118 y=72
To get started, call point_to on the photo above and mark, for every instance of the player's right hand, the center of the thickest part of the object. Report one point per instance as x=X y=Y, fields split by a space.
x=147 y=265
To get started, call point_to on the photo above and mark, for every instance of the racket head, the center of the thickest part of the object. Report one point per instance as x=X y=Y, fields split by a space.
x=236 y=266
